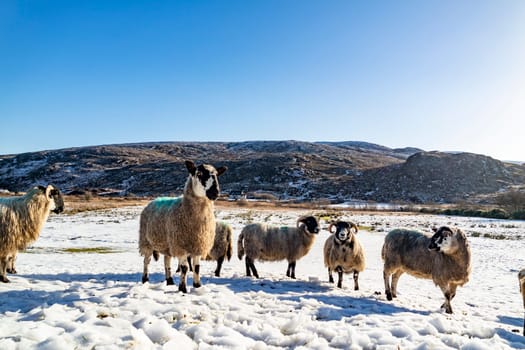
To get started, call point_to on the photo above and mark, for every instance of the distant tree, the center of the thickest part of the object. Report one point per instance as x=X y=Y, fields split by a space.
x=512 y=201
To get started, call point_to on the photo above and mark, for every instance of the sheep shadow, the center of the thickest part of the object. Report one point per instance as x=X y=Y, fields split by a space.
x=331 y=307
x=516 y=340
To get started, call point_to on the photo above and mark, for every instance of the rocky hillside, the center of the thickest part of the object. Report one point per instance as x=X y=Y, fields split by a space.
x=286 y=169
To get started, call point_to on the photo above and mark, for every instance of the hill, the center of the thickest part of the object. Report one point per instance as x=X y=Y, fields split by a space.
x=285 y=169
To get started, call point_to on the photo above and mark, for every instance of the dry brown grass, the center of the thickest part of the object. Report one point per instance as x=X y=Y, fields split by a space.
x=77 y=204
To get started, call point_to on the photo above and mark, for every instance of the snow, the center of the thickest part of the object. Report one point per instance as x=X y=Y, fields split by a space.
x=64 y=299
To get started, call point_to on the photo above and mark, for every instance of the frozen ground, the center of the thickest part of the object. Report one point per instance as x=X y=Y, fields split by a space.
x=73 y=299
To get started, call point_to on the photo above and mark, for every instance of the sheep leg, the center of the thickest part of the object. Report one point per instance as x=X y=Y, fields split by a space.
x=145 y=275
x=356 y=280
x=196 y=271
x=450 y=293
x=189 y=263
x=395 y=279
x=290 y=272
x=167 y=270
x=339 y=277
x=250 y=266
x=11 y=265
x=183 y=272
x=330 y=276
x=3 y=270
x=219 y=266
x=386 y=278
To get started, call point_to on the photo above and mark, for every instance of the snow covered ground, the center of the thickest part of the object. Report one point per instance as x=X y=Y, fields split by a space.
x=66 y=297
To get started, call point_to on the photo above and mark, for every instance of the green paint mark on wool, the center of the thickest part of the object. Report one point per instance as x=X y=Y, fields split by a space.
x=167 y=202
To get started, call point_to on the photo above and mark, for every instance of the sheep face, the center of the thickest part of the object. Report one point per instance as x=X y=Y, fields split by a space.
x=309 y=224
x=343 y=230
x=53 y=194
x=204 y=179
x=444 y=240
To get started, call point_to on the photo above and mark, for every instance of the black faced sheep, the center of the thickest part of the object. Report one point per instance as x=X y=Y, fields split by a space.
x=182 y=227
x=343 y=252
x=22 y=219
x=443 y=257
x=267 y=243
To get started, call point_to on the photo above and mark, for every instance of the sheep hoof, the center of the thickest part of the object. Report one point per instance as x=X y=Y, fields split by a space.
x=217 y=274
x=388 y=295
x=182 y=288
x=331 y=280
x=145 y=279
x=12 y=271
x=197 y=285
x=5 y=279
x=169 y=281
x=339 y=285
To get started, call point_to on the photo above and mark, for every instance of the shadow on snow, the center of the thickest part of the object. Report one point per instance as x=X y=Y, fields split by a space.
x=328 y=306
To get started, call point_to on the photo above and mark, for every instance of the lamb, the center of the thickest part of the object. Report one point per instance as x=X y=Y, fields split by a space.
x=521 y=277
x=22 y=219
x=269 y=243
x=222 y=247
x=444 y=258
x=182 y=226
x=343 y=252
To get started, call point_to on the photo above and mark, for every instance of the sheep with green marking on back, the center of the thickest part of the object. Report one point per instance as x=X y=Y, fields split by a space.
x=183 y=226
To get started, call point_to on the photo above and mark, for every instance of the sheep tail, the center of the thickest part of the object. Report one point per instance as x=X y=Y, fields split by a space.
x=229 y=250
x=156 y=255
x=240 y=247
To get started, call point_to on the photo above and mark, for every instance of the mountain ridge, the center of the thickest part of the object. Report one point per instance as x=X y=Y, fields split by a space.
x=287 y=169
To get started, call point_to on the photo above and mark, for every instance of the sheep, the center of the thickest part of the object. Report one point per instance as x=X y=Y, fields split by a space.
x=343 y=252
x=182 y=226
x=222 y=247
x=521 y=277
x=443 y=257
x=22 y=219
x=269 y=243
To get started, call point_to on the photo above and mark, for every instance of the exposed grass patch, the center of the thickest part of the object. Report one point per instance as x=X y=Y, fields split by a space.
x=90 y=250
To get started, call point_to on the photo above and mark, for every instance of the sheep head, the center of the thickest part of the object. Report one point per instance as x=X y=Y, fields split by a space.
x=308 y=224
x=446 y=240
x=54 y=196
x=343 y=230
x=204 y=179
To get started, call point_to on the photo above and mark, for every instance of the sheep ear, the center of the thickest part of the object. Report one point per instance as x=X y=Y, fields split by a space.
x=434 y=229
x=49 y=190
x=221 y=170
x=191 y=167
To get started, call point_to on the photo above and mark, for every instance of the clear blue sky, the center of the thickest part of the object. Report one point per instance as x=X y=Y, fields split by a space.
x=443 y=75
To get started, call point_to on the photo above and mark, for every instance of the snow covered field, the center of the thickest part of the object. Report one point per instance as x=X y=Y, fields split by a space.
x=68 y=297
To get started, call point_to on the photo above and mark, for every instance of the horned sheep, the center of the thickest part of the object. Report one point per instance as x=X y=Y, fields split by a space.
x=182 y=226
x=268 y=243
x=343 y=252
x=444 y=258
x=22 y=219
x=521 y=277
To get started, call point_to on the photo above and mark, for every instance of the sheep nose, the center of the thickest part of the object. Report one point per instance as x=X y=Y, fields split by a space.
x=212 y=194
